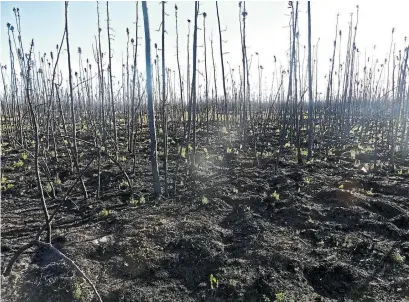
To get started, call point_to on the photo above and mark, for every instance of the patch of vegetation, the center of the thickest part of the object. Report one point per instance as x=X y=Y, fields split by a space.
x=206 y=153
x=205 y=200
x=18 y=164
x=213 y=281
x=124 y=184
x=275 y=195
x=47 y=188
x=103 y=213
x=7 y=187
x=398 y=258
x=24 y=156
x=57 y=180
x=77 y=289
x=137 y=201
x=280 y=297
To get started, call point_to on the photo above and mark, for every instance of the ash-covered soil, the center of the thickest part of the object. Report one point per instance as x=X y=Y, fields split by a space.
x=322 y=231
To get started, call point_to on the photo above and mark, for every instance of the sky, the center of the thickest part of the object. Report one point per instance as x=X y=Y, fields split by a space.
x=267 y=30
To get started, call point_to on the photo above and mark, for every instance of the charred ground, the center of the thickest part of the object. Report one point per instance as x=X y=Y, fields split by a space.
x=321 y=231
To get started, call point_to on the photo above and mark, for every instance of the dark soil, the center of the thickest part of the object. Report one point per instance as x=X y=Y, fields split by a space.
x=334 y=233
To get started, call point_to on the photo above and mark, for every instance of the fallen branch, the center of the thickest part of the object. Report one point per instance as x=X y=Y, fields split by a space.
x=38 y=243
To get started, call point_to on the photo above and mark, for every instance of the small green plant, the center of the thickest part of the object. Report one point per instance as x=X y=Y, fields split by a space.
x=135 y=202
x=123 y=158
x=369 y=193
x=3 y=179
x=341 y=186
x=398 y=258
x=275 y=195
x=183 y=152
x=24 y=156
x=57 y=180
x=307 y=180
x=213 y=281
x=77 y=290
x=104 y=213
x=206 y=153
x=287 y=145
x=280 y=297
x=124 y=184
x=47 y=188
x=228 y=150
x=205 y=200
x=310 y=161
x=7 y=187
x=304 y=152
x=18 y=164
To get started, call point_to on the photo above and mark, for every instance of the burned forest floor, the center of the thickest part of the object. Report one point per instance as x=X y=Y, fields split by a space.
x=237 y=229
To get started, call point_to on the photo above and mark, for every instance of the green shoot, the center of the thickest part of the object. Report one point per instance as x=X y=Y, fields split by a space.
x=135 y=202
x=398 y=258
x=275 y=195
x=104 y=213
x=47 y=188
x=18 y=164
x=123 y=184
x=57 y=180
x=213 y=281
x=280 y=297
x=205 y=200
x=24 y=156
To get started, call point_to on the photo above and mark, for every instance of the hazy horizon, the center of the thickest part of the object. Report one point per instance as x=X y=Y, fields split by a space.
x=267 y=32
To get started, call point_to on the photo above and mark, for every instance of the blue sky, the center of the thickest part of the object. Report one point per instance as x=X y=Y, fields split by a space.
x=267 y=33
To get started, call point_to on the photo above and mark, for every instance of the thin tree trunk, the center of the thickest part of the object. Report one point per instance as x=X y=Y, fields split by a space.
x=151 y=108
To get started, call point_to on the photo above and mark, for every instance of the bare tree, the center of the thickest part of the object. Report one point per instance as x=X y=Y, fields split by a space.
x=74 y=127
x=310 y=100
x=151 y=108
